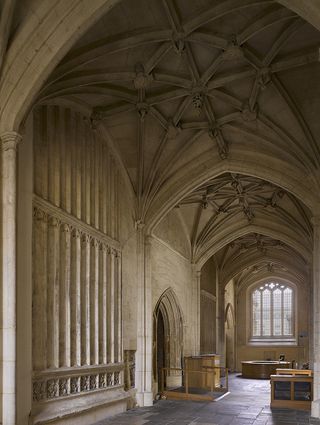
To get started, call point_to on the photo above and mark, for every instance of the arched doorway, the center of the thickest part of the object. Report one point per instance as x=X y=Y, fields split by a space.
x=230 y=337
x=167 y=339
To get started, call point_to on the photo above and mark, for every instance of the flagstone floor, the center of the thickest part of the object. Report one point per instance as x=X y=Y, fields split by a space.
x=247 y=404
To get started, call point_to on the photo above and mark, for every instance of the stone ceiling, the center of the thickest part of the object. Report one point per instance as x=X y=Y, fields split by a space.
x=171 y=80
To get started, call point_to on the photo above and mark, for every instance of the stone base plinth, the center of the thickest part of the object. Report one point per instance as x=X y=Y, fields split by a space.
x=83 y=410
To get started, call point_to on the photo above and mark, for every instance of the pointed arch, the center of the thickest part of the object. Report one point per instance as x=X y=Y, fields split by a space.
x=229 y=314
x=168 y=311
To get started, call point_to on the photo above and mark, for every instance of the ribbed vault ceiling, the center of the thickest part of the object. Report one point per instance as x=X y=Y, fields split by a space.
x=171 y=81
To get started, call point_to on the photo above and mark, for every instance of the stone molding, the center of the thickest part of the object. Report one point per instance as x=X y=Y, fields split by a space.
x=207 y=294
x=45 y=211
x=10 y=140
x=64 y=382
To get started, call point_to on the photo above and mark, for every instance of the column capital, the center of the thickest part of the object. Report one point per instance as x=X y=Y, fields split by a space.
x=10 y=140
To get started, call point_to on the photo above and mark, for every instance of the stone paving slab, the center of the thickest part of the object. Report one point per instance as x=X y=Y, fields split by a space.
x=247 y=404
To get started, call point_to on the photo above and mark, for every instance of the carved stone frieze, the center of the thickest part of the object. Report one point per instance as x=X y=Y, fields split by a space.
x=53 y=388
x=109 y=379
x=85 y=383
x=75 y=385
x=44 y=211
x=63 y=387
x=39 y=390
x=116 y=379
x=93 y=382
x=102 y=380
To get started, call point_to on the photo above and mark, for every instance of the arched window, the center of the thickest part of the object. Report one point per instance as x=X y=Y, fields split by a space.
x=272 y=312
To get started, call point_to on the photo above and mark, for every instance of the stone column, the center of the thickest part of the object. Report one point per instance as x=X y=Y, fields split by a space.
x=53 y=296
x=220 y=337
x=9 y=142
x=315 y=410
x=103 y=305
x=144 y=331
x=39 y=301
x=94 y=302
x=196 y=309
x=111 y=306
x=119 y=307
x=217 y=312
x=64 y=314
x=85 y=300
x=75 y=295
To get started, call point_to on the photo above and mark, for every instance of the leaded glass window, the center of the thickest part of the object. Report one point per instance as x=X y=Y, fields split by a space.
x=272 y=311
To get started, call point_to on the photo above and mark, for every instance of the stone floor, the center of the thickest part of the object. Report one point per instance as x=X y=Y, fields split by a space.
x=247 y=404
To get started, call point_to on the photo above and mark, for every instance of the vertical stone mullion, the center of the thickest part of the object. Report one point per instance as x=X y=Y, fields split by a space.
x=315 y=407
x=73 y=148
x=92 y=181
x=94 y=302
x=112 y=210
x=85 y=300
x=63 y=162
x=117 y=205
x=116 y=307
x=64 y=316
x=75 y=298
x=103 y=304
x=83 y=173
x=119 y=306
x=108 y=190
x=88 y=176
x=96 y=180
x=68 y=161
x=110 y=307
x=53 y=292
x=105 y=188
x=78 y=193
x=39 y=300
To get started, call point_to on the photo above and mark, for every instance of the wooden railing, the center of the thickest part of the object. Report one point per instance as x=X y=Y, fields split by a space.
x=195 y=384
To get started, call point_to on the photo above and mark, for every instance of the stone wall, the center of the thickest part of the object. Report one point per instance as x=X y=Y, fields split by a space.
x=298 y=352
x=208 y=308
x=171 y=270
x=76 y=263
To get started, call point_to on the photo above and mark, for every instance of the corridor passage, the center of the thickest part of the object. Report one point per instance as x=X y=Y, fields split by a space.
x=247 y=404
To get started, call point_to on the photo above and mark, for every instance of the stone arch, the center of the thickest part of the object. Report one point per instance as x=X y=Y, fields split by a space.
x=229 y=314
x=33 y=55
x=280 y=278
x=310 y=11
x=205 y=167
x=168 y=310
x=235 y=231
x=252 y=260
x=229 y=327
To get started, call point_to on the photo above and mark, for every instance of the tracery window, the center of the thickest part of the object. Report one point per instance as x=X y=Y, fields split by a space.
x=272 y=312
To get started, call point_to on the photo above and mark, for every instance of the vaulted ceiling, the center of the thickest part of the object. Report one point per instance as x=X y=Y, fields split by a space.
x=181 y=86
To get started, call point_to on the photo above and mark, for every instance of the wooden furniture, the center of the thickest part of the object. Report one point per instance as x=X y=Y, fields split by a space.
x=204 y=363
x=294 y=372
x=291 y=391
x=261 y=369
